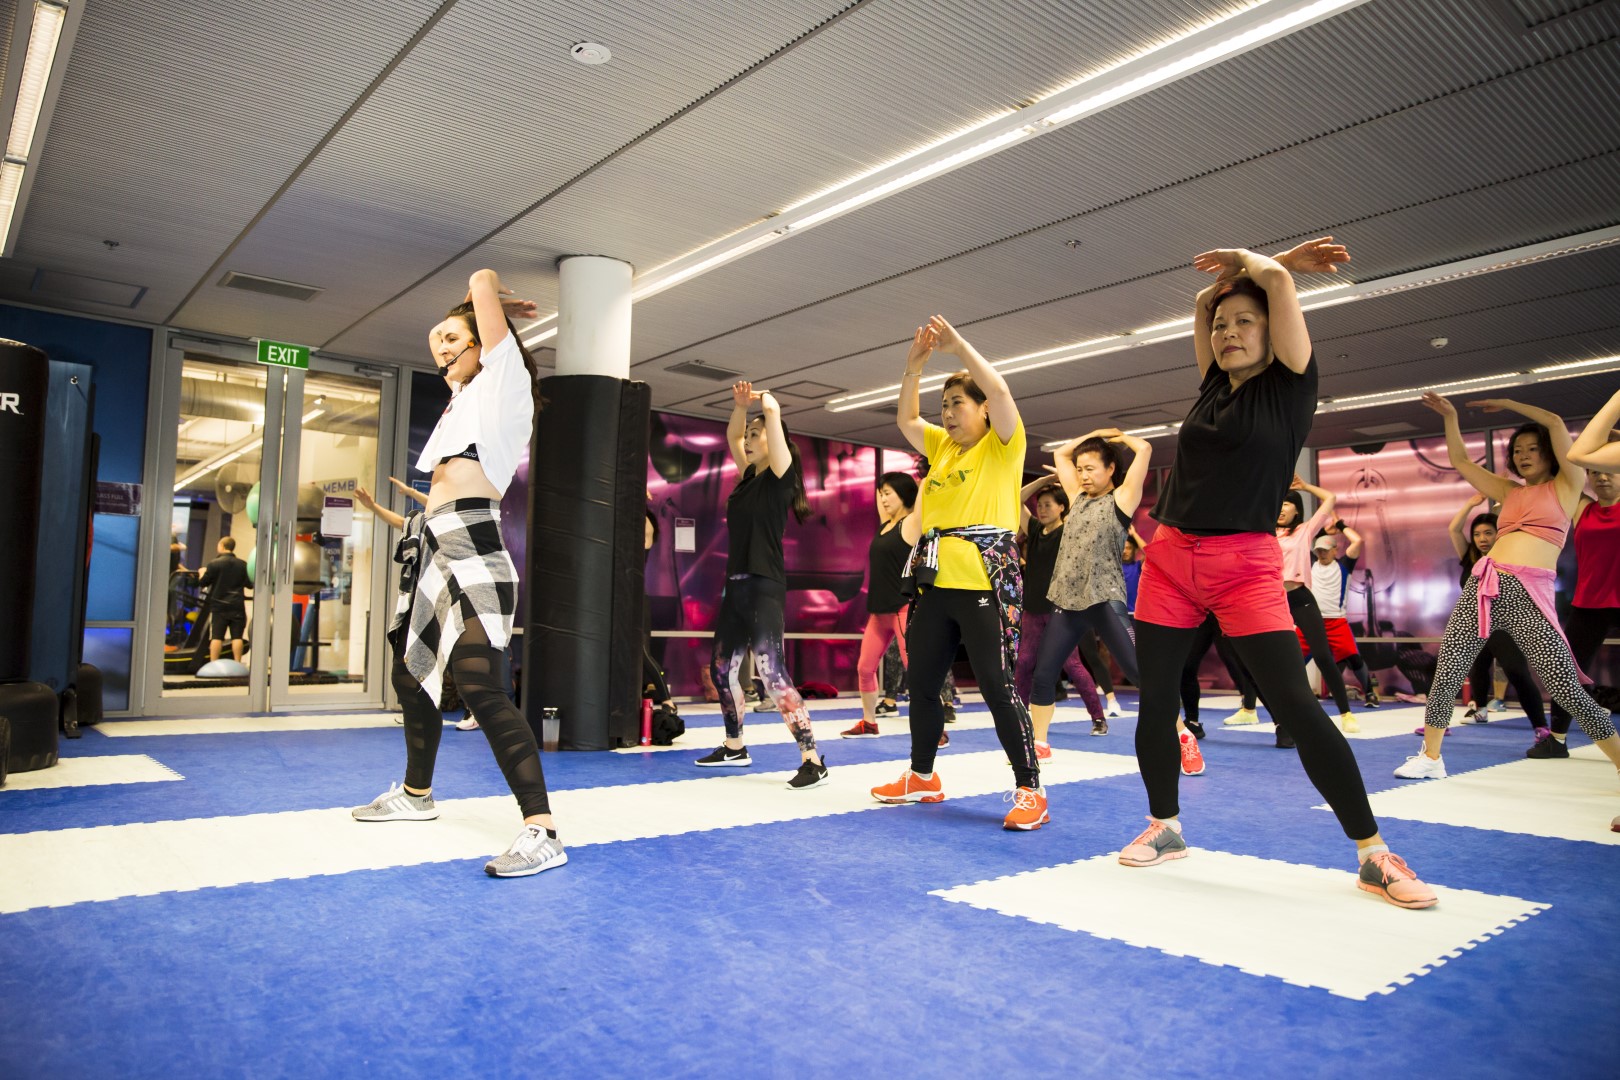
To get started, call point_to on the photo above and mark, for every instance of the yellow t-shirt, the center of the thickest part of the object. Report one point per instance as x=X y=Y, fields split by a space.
x=977 y=486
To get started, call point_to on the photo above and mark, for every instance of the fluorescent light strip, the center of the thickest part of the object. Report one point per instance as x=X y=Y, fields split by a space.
x=1502 y=380
x=1207 y=45
x=36 y=73
x=1310 y=300
x=43 y=39
x=1572 y=364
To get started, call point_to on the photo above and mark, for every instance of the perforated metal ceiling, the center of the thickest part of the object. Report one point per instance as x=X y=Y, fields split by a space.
x=383 y=150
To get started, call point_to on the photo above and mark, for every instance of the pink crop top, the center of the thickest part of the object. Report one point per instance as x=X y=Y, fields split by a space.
x=1534 y=509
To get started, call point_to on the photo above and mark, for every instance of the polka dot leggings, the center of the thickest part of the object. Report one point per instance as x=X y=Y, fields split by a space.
x=1517 y=614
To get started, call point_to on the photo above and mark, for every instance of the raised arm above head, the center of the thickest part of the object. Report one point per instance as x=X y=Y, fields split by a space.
x=1570 y=478
x=776 y=444
x=1290 y=339
x=742 y=395
x=1597 y=447
x=492 y=302
x=1030 y=491
x=997 y=397
x=1484 y=481
x=1128 y=492
x=908 y=414
x=1353 y=551
x=1458 y=528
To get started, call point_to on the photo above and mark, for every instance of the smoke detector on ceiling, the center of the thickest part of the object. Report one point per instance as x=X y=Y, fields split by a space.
x=1439 y=342
x=589 y=52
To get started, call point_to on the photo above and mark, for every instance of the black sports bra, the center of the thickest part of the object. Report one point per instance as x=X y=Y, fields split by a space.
x=471 y=452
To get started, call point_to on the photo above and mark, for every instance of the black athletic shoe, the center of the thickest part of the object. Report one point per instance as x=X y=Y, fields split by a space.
x=1285 y=741
x=950 y=715
x=1196 y=727
x=1371 y=700
x=885 y=709
x=809 y=775
x=1548 y=747
x=724 y=755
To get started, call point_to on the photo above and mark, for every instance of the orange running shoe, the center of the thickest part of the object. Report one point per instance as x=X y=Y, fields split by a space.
x=1043 y=751
x=1028 y=812
x=1192 y=758
x=1386 y=874
x=910 y=788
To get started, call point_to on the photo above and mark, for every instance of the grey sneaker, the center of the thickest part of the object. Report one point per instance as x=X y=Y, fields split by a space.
x=532 y=852
x=1158 y=843
x=397 y=804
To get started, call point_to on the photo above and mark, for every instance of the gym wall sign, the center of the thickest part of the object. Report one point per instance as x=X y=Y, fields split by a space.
x=281 y=354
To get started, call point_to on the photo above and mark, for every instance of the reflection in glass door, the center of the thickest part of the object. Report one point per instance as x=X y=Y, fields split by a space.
x=325 y=589
x=268 y=561
x=212 y=614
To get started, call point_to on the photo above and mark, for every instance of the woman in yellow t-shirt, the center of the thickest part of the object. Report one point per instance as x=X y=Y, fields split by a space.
x=966 y=565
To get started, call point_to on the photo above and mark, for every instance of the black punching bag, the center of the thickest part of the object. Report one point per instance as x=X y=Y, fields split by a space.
x=25 y=379
x=587 y=522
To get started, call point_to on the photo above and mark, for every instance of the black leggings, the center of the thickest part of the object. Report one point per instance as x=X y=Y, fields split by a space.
x=942 y=619
x=479 y=670
x=1209 y=633
x=1586 y=628
x=1308 y=617
x=1063 y=633
x=1517 y=669
x=1092 y=659
x=1275 y=662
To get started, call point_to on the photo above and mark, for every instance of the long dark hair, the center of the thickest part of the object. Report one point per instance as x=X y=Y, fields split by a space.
x=1107 y=453
x=1294 y=499
x=465 y=312
x=801 y=503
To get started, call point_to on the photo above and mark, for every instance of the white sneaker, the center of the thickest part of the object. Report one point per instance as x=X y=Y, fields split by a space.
x=1421 y=766
x=397 y=804
x=469 y=723
x=1112 y=708
x=1243 y=716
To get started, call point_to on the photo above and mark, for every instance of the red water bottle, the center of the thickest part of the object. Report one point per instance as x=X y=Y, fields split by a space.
x=646 y=721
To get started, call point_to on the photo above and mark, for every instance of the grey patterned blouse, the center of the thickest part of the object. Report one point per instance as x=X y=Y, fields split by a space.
x=1088 y=561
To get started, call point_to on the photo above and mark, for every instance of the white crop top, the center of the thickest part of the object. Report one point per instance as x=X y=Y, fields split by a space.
x=494 y=412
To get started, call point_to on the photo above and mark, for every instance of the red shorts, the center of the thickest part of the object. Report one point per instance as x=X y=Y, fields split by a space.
x=1237 y=577
x=1340 y=639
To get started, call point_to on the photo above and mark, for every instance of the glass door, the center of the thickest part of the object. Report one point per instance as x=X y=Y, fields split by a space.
x=331 y=594
x=273 y=595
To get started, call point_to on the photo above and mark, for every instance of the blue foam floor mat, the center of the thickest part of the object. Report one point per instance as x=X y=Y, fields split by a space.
x=793 y=948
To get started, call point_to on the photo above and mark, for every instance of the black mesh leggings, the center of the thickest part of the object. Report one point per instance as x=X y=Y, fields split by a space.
x=479 y=670
x=1275 y=662
x=1517 y=669
x=1586 y=627
x=1064 y=632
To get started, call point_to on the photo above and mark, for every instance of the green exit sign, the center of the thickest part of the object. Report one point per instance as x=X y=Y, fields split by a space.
x=281 y=354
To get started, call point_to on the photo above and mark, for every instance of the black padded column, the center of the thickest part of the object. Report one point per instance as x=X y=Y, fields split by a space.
x=25 y=376
x=588 y=494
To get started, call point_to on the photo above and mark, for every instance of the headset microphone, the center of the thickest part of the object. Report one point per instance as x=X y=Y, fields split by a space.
x=452 y=361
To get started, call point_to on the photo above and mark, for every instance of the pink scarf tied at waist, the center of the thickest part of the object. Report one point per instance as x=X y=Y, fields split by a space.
x=1539 y=583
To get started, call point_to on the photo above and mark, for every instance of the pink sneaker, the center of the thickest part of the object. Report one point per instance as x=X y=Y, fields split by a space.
x=1386 y=874
x=1158 y=843
x=1043 y=751
x=1192 y=758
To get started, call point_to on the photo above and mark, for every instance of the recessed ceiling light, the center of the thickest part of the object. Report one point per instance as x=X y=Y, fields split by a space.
x=589 y=52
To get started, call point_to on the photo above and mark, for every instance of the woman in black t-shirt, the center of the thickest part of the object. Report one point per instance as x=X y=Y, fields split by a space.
x=1216 y=550
x=886 y=560
x=752 y=618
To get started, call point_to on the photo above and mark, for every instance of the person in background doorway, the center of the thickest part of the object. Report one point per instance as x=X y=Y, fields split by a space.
x=225 y=579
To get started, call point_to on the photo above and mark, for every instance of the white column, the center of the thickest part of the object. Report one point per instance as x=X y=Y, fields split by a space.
x=593 y=323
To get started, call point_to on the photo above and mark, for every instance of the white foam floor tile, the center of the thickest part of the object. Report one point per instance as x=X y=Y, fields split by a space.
x=54 y=868
x=1566 y=800
x=242 y=725
x=1383 y=723
x=92 y=772
x=1303 y=924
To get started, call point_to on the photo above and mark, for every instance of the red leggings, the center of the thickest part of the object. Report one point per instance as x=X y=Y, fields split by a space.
x=880 y=629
